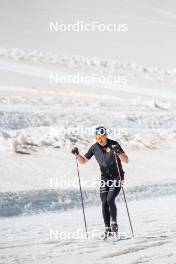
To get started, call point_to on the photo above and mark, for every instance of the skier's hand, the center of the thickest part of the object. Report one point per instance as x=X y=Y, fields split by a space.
x=116 y=149
x=75 y=151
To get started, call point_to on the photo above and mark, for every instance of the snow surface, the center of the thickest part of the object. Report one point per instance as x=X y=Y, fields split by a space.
x=35 y=239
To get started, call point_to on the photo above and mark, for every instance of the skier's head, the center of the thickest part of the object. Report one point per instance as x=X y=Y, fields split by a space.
x=101 y=135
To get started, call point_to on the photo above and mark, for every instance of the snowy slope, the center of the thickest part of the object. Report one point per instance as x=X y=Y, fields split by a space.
x=150 y=39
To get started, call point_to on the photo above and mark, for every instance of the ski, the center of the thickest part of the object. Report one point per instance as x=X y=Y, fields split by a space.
x=115 y=238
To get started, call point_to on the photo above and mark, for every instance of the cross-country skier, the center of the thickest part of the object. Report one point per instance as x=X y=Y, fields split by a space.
x=103 y=150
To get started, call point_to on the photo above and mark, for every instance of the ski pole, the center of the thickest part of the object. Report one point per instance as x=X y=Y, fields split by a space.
x=129 y=218
x=85 y=224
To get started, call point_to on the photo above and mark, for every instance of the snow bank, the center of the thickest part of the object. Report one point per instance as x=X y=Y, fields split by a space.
x=32 y=202
x=80 y=62
x=28 y=124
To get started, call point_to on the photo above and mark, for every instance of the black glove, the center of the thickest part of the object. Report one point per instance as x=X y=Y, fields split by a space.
x=75 y=151
x=116 y=149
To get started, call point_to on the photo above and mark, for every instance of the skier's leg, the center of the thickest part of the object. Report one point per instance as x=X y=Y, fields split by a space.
x=112 y=194
x=105 y=206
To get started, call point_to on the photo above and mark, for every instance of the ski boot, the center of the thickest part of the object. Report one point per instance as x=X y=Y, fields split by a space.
x=114 y=230
x=107 y=233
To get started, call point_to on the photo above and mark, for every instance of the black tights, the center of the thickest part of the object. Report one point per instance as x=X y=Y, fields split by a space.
x=109 y=209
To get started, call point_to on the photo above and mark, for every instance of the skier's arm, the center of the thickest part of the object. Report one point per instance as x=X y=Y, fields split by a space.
x=123 y=157
x=81 y=159
x=120 y=153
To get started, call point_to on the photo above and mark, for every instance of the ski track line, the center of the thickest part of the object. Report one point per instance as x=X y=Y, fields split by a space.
x=134 y=249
